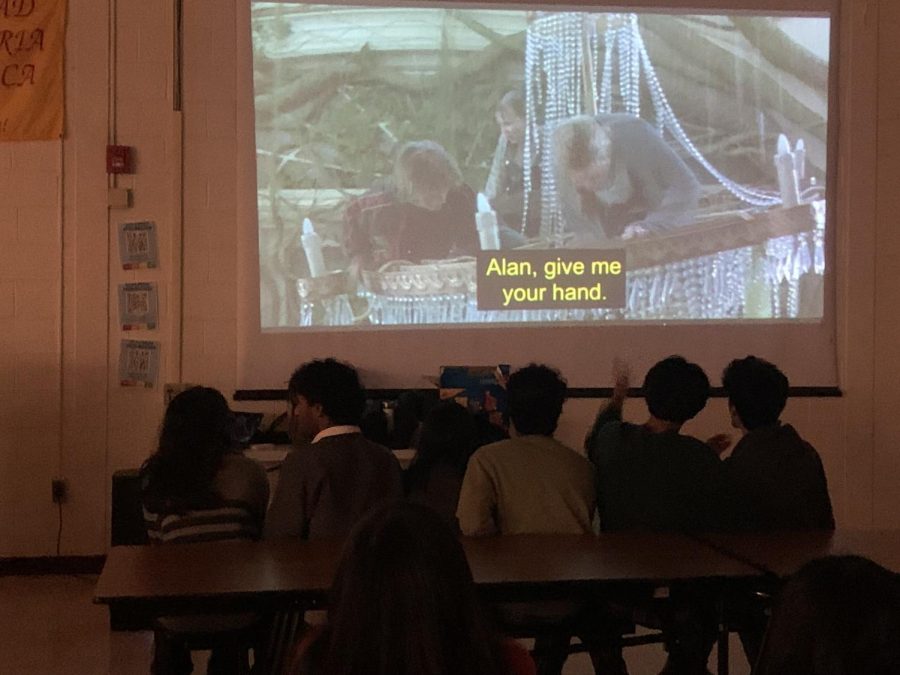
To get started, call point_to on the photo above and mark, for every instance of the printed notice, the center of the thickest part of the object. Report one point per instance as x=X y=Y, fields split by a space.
x=138 y=306
x=557 y=279
x=138 y=363
x=137 y=245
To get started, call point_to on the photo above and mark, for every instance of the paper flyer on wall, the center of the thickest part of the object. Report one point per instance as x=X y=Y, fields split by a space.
x=138 y=306
x=137 y=245
x=138 y=363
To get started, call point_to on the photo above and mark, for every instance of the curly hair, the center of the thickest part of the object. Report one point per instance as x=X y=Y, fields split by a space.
x=536 y=396
x=332 y=384
x=676 y=389
x=757 y=389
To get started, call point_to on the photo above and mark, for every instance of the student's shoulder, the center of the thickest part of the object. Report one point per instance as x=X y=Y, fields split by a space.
x=237 y=465
x=494 y=452
x=697 y=452
x=299 y=456
x=566 y=451
x=356 y=441
x=614 y=432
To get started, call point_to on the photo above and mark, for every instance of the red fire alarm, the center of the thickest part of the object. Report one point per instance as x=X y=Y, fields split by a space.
x=119 y=159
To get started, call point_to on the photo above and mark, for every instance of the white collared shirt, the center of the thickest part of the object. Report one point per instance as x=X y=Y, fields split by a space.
x=338 y=430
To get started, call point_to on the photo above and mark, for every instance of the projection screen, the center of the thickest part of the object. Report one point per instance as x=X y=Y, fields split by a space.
x=468 y=184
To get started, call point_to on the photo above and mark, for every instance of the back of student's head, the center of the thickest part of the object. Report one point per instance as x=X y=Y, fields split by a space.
x=836 y=616
x=676 y=389
x=448 y=436
x=404 y=603
x=332 y=384
x=197 y=430
x=535 y=395
x=757 y=390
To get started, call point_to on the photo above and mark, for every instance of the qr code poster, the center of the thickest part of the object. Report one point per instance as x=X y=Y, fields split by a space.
x=138 y=363
x=137 y=245
x=138 y=306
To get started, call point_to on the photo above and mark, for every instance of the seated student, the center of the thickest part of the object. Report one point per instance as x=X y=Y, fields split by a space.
x=652 y=478
x=334 y=475
x=836 y=616
x=533 y=484
x=447 y=439
x=530 y=483
x=403 y=603
x=198 y=487
x=427 y=213
x=777 y=477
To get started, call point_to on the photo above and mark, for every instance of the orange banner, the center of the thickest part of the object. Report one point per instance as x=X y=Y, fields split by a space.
x=32 y=46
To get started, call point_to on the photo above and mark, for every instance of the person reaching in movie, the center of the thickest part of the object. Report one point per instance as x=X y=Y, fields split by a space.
x=618 y=179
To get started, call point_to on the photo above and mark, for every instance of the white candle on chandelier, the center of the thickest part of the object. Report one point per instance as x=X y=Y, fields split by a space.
x=312 y=246
x=486 y=222
x=787 y=174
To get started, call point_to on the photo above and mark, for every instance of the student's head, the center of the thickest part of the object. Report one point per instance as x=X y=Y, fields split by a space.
x=424 y=174
x=321 y=394
x=536 y=395
x=448 y=436
x=403 y=601
x=581 y=154
x=757 y=392
x=510 y=116
x=197 y=430
x=836 y=616
x=675 y=390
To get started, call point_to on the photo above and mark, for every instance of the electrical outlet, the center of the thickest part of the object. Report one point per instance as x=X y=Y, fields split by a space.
x=60 y=490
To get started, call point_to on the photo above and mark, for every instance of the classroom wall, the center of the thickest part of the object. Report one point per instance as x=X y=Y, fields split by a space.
x=62 y=412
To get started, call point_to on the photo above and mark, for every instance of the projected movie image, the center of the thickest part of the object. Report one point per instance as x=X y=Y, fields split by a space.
x=428 y=166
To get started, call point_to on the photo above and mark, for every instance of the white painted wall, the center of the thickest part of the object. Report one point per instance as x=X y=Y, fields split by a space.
x=62 y=412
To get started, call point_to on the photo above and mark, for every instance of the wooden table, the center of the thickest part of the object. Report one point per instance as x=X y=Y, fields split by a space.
x=532 y=562
x=271 y=575
x=210 y=576
x=783 y=553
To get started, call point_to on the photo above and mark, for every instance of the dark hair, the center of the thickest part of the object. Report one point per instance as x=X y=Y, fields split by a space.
x=374 y=423
x=333 y=385
x=757 y=389
x=536 y=394
x=448 y=436
x=514 y=102
x=197 y=431
x=404 y=603
x=837 y=616
x=676 y=389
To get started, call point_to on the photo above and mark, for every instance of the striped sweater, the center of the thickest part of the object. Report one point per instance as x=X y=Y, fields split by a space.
x=243 y=490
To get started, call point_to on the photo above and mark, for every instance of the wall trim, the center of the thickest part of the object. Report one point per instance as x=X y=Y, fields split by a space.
x=45 y=565
x=573 y=392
